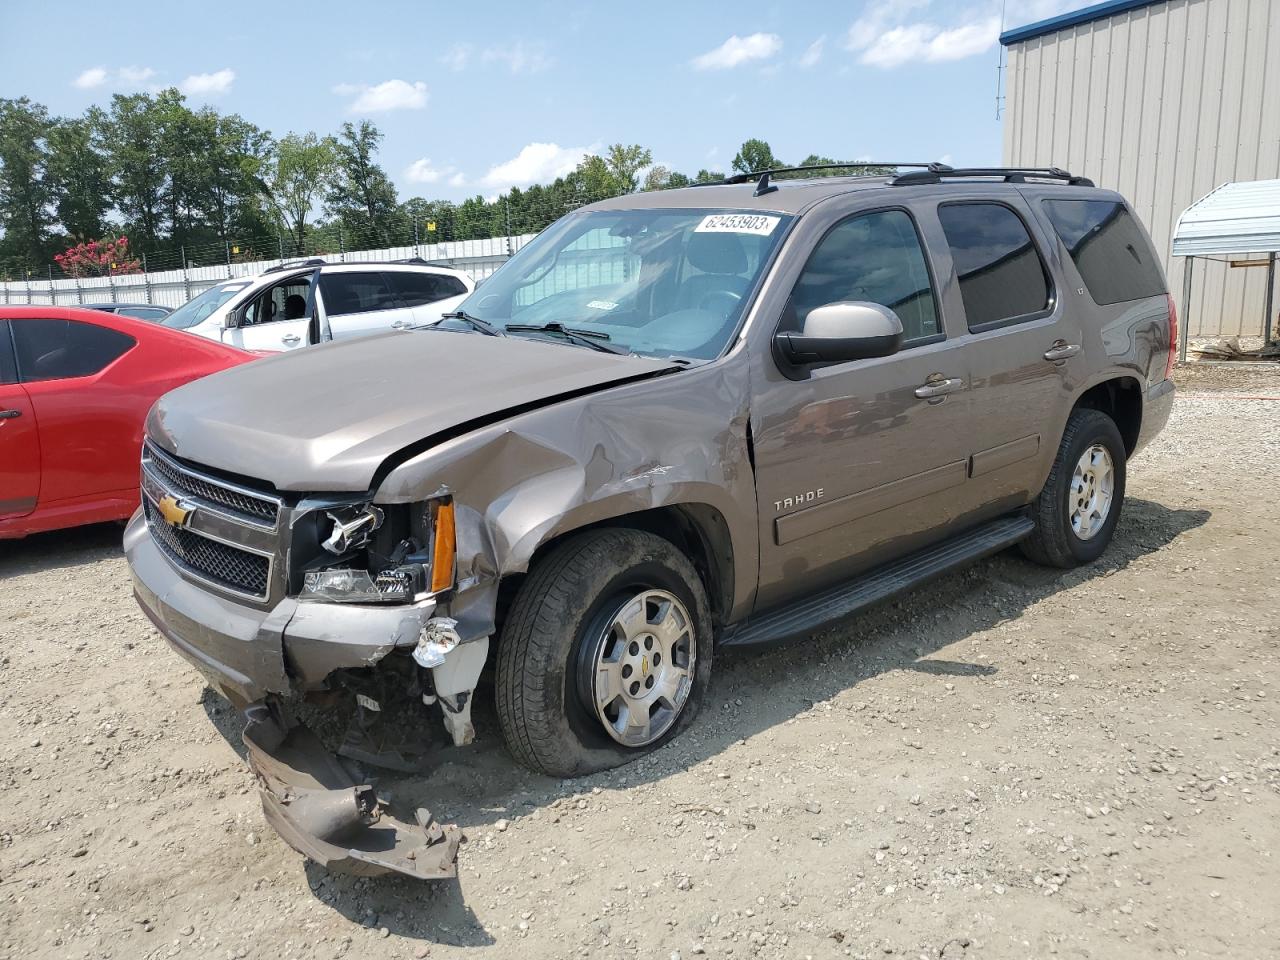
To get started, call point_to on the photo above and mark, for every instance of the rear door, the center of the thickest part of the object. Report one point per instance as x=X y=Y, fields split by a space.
x=89 y=427
x=360 y=302
x=426 y=293
x=1022 y=348
x=19 y=438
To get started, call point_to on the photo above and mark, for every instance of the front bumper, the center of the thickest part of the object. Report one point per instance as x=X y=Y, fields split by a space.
x=247 y=653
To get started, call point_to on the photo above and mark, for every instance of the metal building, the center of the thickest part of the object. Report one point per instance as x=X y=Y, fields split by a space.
x=1163 y=100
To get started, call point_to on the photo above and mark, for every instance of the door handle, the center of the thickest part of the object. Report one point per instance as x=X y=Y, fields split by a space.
x=291 y=339
x=937 y=389
x=1061 y=350
x=9 y=414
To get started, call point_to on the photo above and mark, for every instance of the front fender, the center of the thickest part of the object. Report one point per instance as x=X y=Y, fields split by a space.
x=518 y=484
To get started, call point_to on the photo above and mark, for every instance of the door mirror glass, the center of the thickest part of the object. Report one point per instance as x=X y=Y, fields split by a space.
x=839 y=332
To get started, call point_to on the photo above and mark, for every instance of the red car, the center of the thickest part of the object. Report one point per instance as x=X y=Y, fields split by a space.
x=75 y=387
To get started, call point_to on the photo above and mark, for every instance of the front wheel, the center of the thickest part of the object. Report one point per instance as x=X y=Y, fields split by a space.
x=1077 y=511
x=605 y=653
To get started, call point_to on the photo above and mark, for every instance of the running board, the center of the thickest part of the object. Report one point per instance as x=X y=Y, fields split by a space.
x=843 y=600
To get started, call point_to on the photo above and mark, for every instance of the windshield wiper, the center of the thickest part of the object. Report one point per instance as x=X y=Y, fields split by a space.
x=484 y=326
x=584 y=338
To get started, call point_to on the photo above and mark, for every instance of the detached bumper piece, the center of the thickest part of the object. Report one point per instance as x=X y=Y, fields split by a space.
x=311 y=800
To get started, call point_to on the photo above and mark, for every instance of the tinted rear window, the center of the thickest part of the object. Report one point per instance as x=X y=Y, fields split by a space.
x=1002 y=277
x=1114 y=259
x=57 y=349
x=416 y=289
x=355 y=293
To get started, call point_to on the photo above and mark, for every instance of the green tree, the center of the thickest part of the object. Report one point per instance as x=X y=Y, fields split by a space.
x=625 y=163
x=298 y=177
x=25 y=195
x=77 y=171
x=755 y=155
x=361 y=195
x=708 y=176
x=236 y=155
x=131 y=141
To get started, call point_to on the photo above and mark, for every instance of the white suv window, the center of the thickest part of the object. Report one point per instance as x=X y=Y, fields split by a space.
x=355 y=293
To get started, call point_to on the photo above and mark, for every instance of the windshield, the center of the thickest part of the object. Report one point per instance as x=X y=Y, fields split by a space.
x=194 y=311
x=654 y=282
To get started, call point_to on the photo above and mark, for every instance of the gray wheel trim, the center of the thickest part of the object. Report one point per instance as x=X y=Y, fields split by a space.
x=642 y=665
x=1091 y=492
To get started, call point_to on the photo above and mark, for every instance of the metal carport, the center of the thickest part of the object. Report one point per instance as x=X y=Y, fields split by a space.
x=1236 y=218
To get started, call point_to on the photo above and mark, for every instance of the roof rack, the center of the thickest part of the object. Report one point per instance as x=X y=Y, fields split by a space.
x=940 y=172
x=321 y=262
x=289 y=265
x=762 y=177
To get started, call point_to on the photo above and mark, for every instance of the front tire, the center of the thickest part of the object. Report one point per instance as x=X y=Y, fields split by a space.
x=605 y=653
x=1077 y=511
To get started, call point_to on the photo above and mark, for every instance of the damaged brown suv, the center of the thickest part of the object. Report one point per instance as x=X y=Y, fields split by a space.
x=728 y=414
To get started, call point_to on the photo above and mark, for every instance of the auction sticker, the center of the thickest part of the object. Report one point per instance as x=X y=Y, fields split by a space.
x=752 y=223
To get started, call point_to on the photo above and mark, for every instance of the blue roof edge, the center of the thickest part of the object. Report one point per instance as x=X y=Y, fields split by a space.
x=1085 y=15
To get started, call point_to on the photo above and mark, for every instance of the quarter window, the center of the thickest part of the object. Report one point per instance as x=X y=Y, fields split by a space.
x=415 y=289
x=355 y=293
x=59 y=349
x=874 y=257
x=1107 y=246
x=1002 y=278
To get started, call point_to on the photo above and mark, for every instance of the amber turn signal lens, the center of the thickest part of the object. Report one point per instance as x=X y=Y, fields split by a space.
x=443 y=549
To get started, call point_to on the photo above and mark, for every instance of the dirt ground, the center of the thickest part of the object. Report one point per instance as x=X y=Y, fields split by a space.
x=1011 y=762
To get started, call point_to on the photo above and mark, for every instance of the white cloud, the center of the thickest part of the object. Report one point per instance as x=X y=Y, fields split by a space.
x=813 y=53
x=93 y=77
x=536 y=163
x=120 y=78
x=134 y=76
x=458 y=180
x=205 y=84
x=422 y=171
x=519 y=57
x=887 y=36
x=739 y=50
x=388 y=95
x=459 y=56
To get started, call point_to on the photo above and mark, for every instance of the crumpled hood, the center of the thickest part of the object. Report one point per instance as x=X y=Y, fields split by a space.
x=324 y=418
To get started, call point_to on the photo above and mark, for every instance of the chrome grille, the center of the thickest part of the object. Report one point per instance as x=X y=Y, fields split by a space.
x=224 y=565
x=218 y=494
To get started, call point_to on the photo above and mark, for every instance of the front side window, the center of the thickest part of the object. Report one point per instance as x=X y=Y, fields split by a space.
x=415 y=289
x=196 y=310
x=1106 y=244
x=875 y=258
x=355 y=293
x=59 y=349
x=284 y=301
x=653 y=282
x=1002 y=278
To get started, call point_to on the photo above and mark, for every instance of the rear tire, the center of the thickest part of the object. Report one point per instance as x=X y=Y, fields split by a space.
x=605 y=653
x=1077 y=511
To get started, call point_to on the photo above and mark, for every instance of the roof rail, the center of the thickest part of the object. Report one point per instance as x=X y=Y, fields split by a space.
x=765 y=174
x=312 y=262
x=1007 y=174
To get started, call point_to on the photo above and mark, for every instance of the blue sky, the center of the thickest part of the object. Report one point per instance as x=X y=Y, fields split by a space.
x=477 y=97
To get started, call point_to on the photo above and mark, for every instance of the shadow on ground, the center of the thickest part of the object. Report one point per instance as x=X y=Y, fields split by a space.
x=42 y=552
x=751 y=691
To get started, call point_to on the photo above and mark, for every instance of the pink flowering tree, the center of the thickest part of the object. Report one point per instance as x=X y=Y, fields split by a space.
x=99 y=258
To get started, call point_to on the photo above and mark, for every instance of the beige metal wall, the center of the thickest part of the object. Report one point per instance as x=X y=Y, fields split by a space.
x=1162 y=103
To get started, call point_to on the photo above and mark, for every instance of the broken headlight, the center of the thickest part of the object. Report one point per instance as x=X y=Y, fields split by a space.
x=396 y=554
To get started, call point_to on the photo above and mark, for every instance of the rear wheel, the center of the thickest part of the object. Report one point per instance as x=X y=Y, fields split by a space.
x=605 y=653
x=1077 y=511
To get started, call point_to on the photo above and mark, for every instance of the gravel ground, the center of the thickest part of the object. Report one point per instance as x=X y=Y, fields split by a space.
x=1011 y=762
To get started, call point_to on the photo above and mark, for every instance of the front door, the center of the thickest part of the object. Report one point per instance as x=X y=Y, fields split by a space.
x=858 y=462
x=279 y=318
x=19 y=440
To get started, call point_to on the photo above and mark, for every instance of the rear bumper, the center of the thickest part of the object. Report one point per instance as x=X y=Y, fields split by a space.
x=1156 y=407
x=247 y=653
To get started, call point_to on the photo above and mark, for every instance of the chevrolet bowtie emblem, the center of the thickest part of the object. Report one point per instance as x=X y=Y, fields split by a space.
x=174 y=512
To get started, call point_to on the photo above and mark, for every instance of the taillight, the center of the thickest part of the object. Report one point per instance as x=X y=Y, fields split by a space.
x=1173 y=338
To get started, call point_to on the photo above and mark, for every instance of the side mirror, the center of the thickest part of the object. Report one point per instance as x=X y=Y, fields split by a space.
x=844 y=331
x=234 y=318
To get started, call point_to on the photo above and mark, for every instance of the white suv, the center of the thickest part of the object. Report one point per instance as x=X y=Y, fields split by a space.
x=296 y=304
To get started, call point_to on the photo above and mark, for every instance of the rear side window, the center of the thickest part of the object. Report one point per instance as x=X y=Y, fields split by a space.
x=58 y=349
x=1115 y=260
x=415 y=289
x=143 y=313
x=875 y=257
x=1002 y=278
x=355 y=293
